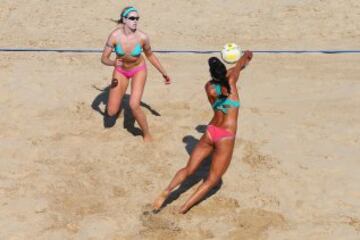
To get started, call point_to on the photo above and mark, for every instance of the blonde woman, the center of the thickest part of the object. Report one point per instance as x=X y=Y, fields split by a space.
x=129 y=43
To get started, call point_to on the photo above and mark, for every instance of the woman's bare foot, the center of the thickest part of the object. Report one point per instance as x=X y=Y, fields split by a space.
x=183 y=209
x=148 y=138
x=159 y=201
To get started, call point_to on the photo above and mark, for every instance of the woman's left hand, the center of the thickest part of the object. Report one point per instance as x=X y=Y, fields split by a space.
x=167 y=79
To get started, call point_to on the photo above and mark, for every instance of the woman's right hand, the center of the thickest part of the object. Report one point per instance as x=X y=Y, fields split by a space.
x=245 y=59
x=118 y=62
x=240 y=65
x=248 y=55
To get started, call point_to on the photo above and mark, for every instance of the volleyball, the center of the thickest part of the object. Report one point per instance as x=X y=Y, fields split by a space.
x=231 y=53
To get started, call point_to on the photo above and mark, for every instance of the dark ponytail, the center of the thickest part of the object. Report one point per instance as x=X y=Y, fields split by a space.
x=218 y=73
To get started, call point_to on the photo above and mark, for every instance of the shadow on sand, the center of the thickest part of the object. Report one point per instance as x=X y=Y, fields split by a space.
x=129 y=120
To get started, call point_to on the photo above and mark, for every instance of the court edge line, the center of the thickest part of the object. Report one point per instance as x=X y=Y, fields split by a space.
x=64 y=50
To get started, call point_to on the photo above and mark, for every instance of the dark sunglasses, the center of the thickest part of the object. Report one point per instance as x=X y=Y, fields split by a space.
x=133 y=18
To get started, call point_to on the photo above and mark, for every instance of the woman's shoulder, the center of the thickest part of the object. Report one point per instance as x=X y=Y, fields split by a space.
x=142 y=35
x=209 y=88
x=116 y=32
x=208 y=84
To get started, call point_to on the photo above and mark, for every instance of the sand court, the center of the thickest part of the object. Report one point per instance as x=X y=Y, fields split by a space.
x=294 y=170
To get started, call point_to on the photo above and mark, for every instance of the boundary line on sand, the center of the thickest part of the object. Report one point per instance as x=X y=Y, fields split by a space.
x=89 y=50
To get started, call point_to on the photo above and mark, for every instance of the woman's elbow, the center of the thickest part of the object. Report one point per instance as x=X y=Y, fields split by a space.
x=149 y=55
x=102 y=60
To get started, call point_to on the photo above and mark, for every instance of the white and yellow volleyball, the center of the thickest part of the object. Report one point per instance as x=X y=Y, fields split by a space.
x=231 y=53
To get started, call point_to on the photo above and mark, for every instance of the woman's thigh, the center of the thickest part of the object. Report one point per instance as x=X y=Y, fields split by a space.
x=221 y=157
x=200 y=152
x=137 y=87
x=119 y=84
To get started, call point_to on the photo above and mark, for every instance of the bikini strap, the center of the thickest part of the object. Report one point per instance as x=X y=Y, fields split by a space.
x=109 y=45
x=217 y=88
x=232 y=103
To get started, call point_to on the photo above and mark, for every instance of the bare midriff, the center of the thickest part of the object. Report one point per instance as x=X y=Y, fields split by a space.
x=131 y=62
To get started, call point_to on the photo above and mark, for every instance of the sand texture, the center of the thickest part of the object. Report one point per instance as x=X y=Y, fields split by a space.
x=295 y=168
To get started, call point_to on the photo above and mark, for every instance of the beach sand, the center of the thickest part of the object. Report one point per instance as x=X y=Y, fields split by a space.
x=294 y=172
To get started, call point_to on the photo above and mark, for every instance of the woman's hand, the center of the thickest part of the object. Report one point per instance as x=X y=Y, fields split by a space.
x=248 y=55
x=246 y=58
x=118 y=62
x=166 y=78
x=240 y=65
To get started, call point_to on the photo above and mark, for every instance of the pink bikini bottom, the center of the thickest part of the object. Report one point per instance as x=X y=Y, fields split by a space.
x=130 y=73
x=216 y=133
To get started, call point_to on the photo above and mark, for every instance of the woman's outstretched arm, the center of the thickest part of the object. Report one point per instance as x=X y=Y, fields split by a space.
x=240 y=65
x=154 y=60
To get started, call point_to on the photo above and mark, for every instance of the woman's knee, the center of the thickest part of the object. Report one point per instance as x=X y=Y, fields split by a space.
x=112 y=111
x=134 y=106
x=185 y=172
x=212 y=180
x=189 y=171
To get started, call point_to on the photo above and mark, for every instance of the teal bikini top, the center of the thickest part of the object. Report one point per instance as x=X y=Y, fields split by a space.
x=134 y=53
x=223 y=104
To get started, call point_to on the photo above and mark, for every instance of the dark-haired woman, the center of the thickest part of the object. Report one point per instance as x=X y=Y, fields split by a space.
x=128 y=43
x=220 y=135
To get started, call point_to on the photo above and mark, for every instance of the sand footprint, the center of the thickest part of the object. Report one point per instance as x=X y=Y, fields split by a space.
x=354 y=222
x=154 y=222
x=254 y=158
x=216 y=206
x=253 y=223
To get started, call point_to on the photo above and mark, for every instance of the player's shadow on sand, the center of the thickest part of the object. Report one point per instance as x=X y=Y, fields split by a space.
x=129 y=120
x=201 y=173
